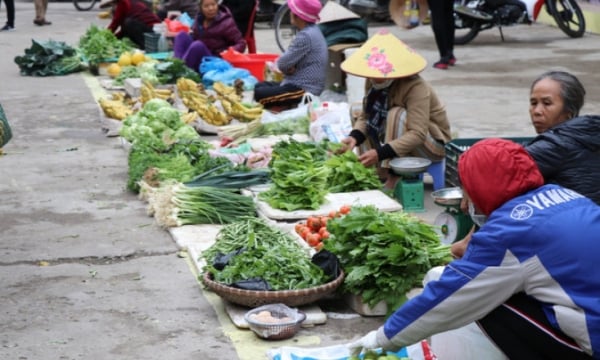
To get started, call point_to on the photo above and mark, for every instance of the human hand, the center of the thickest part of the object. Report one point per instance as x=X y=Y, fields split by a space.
x=458 y=248
x=369 y=158
x=365 y=343
x=348 y=143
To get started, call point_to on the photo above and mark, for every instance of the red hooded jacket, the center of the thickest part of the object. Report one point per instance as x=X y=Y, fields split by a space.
x=493 y=171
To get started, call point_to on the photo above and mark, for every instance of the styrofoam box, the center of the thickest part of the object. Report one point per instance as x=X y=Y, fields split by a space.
x=355 y=302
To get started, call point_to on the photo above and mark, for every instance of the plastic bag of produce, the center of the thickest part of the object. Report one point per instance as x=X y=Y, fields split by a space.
x=418 y=351
x=5 y=132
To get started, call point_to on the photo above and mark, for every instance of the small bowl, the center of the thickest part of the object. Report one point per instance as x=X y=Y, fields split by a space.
x=448 y=196
x=274 y=321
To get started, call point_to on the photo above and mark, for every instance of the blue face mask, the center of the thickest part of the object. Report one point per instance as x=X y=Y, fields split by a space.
x=478 y=219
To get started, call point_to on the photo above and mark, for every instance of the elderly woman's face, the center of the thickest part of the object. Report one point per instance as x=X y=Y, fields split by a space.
x=546 y=105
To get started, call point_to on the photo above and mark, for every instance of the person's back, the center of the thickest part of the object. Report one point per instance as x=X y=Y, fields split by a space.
x=308 y=54
x=569 y=154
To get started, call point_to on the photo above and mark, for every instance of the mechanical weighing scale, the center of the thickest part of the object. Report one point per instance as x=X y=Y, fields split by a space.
x=452 y=224
x=409 y=189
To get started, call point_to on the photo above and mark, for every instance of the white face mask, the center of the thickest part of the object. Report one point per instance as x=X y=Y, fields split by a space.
x=478 y=219
x=381 y=85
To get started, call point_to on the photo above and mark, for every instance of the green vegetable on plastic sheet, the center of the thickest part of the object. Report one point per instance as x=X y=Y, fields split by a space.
x=384 y=254
x=49 y=58
x=269 y=253
x=348 y=174
x=298 y=175
x=233 y=179
x=171 y=69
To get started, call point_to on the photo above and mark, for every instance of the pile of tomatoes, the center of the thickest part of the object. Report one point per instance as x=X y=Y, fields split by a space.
x=314 y=229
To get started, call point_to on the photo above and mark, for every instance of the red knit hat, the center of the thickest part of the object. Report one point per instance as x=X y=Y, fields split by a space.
x=494 y=171
x=307 y=10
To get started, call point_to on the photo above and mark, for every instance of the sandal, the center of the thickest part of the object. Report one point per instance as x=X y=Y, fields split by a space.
x=41 y=22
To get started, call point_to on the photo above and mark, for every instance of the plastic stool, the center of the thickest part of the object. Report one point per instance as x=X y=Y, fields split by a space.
x=437 y=171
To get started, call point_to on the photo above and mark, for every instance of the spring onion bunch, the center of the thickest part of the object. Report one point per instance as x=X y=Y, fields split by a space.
x=177 y=204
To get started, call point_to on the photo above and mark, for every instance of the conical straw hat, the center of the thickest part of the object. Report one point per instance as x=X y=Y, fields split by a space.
x=384 y=56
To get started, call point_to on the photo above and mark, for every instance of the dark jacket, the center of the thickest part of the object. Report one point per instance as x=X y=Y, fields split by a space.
x=220 y=34
x=569 y=155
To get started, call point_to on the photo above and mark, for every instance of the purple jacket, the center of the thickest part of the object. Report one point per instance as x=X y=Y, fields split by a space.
x=220 y=34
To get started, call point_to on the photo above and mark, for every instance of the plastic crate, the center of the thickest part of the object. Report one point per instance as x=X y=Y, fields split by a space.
x=151 y=42
x=456 y=147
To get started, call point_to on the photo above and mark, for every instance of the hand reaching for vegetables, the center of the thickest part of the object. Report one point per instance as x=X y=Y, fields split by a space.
x=347 y=144
x=365 y=343
x=369 y=158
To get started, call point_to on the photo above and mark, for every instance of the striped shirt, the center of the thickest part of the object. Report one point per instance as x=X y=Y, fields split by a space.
x=308 y=54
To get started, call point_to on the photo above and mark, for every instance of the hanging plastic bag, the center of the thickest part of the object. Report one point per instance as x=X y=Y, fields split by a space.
x=186 y=20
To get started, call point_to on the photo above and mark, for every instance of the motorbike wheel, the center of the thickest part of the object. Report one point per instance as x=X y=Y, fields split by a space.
x=568 y=16
x=465 y=29
x=84 y=5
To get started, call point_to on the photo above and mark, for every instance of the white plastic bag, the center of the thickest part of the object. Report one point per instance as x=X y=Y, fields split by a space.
x=331 y=121
x=418 y=351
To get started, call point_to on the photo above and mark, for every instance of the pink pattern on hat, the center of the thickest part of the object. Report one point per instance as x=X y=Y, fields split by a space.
x=378 y=60
x=307 y=10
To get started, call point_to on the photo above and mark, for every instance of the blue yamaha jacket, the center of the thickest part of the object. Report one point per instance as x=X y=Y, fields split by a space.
x=549 y=249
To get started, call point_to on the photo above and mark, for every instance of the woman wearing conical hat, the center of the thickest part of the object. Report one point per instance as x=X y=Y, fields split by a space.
x=402 y=115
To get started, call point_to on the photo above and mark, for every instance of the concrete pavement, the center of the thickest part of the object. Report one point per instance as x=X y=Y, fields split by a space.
x=84 y=273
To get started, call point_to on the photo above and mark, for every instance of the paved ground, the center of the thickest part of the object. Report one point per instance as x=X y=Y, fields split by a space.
x=84 y=273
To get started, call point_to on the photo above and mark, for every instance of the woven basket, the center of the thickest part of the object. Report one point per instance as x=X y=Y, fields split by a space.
x=279 y=330
x=254 y=298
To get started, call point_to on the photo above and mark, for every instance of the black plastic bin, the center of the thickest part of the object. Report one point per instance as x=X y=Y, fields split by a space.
x=458 y=146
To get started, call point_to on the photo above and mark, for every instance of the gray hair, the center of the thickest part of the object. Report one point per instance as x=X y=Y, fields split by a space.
x=571 y=90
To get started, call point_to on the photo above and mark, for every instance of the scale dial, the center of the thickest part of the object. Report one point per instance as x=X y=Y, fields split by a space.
x=446 y=226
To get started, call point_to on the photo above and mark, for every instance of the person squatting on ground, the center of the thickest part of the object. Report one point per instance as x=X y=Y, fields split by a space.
x=131 y=19
x=529 y=275
x=567 y=147
x=213 y=31
x=402 y=115
x=303 y=64
x=10 y=16
x=442 y=24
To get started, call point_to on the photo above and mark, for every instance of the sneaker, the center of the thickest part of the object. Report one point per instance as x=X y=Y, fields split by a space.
x=441 y=65
x=452 y=61
x=7 y=28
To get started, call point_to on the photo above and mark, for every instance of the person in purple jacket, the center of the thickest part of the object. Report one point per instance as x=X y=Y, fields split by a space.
x=213 y=31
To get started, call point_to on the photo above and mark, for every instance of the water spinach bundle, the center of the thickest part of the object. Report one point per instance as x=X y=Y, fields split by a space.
x=384 y=255
x=259 y=251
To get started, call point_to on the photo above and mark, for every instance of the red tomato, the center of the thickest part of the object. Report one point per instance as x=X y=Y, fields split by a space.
x=299 y=227
x=306 y=233
x=345 y=209
x=333 y=214
x=319 y=246
x=313 y=239
x=324 y=234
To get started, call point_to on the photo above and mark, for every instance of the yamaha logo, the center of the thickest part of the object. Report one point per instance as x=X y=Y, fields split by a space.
x=521 y=212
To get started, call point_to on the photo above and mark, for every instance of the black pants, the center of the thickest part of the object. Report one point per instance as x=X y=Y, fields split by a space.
x=442 y=24
x=521 y=330
x=134 y=30
x=273 y=94
x=10 y=12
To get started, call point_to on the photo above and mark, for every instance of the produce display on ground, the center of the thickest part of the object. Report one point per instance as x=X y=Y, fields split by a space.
x=253 y=255
x=384 y=254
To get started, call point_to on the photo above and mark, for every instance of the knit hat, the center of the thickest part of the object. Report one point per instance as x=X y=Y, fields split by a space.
x=493 y=171
x=307 y=10
x=384 y=56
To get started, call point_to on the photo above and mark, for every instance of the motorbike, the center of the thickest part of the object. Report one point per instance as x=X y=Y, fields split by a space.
x=474 y=16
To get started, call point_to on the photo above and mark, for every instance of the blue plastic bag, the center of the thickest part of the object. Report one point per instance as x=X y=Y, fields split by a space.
x=210 y=63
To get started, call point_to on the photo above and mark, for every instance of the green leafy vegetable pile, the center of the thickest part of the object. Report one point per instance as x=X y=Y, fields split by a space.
x=268 y=253
x=348 y=174
x=98 y=44
x=299 y=176
x=49 y=58
x=384 y=255
x=164 y=147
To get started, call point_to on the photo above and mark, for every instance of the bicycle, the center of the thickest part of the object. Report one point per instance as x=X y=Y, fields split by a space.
x=84 y=5
x=284 y=31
